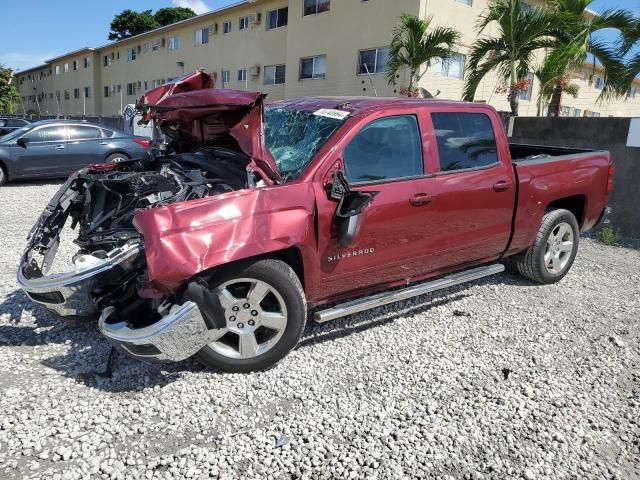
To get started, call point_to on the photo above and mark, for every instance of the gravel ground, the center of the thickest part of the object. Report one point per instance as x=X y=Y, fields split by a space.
x=503 y=379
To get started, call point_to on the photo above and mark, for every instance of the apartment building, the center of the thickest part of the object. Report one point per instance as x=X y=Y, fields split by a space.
x=285 y=48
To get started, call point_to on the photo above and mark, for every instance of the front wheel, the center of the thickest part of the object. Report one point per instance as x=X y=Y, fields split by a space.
x=265 y=313
x=555 y=247
x=3 y=175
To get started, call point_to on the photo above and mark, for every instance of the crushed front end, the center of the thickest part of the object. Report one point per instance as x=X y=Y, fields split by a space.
x=108 y=276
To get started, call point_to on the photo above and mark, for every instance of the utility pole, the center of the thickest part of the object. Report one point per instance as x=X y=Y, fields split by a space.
x=58 y=104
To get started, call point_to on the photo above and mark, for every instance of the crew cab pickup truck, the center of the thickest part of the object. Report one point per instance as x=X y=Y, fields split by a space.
x=256 y=216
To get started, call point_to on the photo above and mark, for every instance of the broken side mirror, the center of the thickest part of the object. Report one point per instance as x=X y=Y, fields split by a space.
x=351 y=206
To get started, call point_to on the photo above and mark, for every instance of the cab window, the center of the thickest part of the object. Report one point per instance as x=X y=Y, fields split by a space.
x=48 y=134
x=386 y=149
x=465 y=140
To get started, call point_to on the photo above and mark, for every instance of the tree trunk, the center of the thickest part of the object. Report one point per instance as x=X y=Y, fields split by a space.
x=556 y=101
x=411 y=80
x=514 y=98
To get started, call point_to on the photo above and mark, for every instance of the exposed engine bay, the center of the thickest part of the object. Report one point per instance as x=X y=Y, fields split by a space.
x=100 y=203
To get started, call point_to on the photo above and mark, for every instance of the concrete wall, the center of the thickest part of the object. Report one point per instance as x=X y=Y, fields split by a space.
x=595 y=133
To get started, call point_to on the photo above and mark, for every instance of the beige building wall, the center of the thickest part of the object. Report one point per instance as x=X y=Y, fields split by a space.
x=338 y=34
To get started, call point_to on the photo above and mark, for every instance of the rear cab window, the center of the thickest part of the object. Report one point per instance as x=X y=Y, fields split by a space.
x=465 y=140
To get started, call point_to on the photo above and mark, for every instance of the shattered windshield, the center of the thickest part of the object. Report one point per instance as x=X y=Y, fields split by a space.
x=294 y=137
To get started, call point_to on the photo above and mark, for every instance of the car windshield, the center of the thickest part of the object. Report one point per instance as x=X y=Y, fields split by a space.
x=294 y=137
x=14 y=134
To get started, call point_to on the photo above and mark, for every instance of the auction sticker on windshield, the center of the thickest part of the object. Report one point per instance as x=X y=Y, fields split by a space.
x=331 y=113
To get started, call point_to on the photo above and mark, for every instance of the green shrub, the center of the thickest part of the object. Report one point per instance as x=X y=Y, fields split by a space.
x=609 y=235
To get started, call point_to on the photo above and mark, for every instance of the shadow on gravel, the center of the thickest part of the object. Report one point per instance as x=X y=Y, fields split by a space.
x=35 y=183
x=88 y=358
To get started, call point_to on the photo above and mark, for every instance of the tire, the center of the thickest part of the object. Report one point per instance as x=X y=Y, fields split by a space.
x=3 y=175
x=117 y=158
x=554 y=249
x=259 y=333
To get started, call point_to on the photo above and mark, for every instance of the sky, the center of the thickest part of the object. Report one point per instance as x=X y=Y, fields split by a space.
x=58 y=27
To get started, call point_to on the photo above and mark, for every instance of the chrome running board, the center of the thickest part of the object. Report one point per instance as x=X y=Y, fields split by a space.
x=385 y=298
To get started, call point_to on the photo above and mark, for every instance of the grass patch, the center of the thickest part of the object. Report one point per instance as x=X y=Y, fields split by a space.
x=609 y=236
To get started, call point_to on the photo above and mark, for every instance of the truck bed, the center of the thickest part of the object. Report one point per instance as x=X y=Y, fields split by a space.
x=521 y=153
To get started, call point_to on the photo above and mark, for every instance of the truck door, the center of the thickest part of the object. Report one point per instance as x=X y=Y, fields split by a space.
x=384 y=155
x=473 y=189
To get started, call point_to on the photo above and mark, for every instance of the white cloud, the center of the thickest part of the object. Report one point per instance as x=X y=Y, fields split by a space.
x=197 y=6
x=22 y=61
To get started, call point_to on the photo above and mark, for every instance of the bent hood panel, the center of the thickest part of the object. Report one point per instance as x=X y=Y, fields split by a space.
x=184 y=239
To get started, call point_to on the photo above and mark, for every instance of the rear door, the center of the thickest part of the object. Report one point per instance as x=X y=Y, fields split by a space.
x=86 y=146
x=472 y=187
x=45 y=154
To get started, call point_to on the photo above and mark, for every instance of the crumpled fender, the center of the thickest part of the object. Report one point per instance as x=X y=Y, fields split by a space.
x=187 y=238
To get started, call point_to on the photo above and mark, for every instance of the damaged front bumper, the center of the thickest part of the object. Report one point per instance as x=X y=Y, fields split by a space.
x=71 y=293
x=179 y=334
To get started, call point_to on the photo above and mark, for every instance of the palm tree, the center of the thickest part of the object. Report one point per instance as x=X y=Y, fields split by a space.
x=575 y=45
x=631 y=42
x=521 y=32
x=416 y=46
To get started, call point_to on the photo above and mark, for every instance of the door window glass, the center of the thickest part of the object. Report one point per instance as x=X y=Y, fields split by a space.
x=388 y=148
x=48 y=134
x=83 y=133
x=465 y=140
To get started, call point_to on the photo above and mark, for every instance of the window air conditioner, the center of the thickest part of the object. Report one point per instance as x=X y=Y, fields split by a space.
x=254 y=71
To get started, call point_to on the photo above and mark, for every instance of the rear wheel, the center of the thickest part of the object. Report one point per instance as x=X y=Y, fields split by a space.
x=117 y=158
x=265 y=313
x=550 y=257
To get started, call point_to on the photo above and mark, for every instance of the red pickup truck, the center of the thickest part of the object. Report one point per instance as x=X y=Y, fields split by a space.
x=256 y=215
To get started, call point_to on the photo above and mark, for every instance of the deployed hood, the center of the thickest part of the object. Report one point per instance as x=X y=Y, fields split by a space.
x=206 y=116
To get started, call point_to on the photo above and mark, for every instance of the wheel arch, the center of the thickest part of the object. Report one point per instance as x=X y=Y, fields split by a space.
x=121 y=151
x=576 y=204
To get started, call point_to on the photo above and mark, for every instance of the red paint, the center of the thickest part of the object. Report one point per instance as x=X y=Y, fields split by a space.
x=471 y=217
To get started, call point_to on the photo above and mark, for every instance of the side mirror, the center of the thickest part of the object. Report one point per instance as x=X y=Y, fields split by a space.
x=350 y=210
x=22 y=141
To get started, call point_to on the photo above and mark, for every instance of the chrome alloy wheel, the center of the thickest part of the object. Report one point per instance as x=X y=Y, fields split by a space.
x=256 y=317
x=559 y=248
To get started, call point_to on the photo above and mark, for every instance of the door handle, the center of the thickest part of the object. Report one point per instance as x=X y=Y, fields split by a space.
x=104 y=143
x=501 y=186
x=421 y=199
x=60 y=147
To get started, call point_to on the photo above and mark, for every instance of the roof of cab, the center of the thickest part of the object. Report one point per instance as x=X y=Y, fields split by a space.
x=368 y=104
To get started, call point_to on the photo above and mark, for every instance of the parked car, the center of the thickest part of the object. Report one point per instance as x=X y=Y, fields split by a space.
x=55 y=148
x=340 y=205
x=9 y=124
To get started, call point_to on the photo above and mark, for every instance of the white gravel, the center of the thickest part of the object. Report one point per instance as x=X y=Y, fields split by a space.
x=504 y=379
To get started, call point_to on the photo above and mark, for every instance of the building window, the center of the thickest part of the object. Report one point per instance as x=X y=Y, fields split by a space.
x=598 y=82
x=313 y=7
x=313 y=67
x=632 y=92
x=76 y=93
x=87 y=62
x=66 y=68
x=174 y=43
x=87 y=92
x=131 y=88
x=242 y=75
x=146 y=85
x=577 y=112
x=244 y=22
x=107 y=91
x=226 y=26
x=131 y=54
x=526 y=95
x=67 y=95
x=202 y=36
x=145 y=47
x=453 y=68
x=373 y=61
x=277 y=18
x=274 y=74
x=469 y=2
x=155 y=45
x=75 y=65
x=595 y=114
x=106 y=60
x=226 y=76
